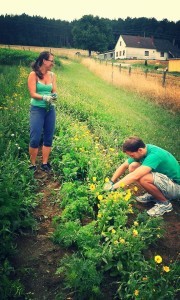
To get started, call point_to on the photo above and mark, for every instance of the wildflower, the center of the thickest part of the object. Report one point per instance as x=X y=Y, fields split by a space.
x=135 y=232
x=135 y=188
x=115 y=242
x=12 y=134
x=99 y=215
x=122 y=241
x=94 y=179
x=136 y=223
x=122 y=184
x=145 y=278
x=130 y=210
x=106 y=179
x=158 y=259
x=136 y=292
x=166 y=269
x=111 y=149
x=100 y=197
x=113 y=231
x=92 y=187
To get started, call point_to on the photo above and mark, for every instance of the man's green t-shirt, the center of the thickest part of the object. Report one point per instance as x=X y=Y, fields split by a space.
x=161 y=161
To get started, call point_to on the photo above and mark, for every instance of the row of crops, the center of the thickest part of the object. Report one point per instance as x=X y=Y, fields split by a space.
x=106 y=235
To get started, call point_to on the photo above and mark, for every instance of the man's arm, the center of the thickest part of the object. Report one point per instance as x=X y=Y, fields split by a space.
x=121 y=170
x=133 y=176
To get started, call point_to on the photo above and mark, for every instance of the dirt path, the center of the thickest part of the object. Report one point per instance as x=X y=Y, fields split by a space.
x=37 y=258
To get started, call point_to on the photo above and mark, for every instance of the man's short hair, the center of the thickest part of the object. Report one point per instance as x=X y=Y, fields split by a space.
x=132 y=144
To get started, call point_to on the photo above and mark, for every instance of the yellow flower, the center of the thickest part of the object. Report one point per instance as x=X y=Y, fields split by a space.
x=158 y=259
x=135 y=188
x=136 y=223
x=94 y=179
x=136 y=292
x=115 y=242
x=135 y=232
x=106 y=179
x=111 y=149
x=113 y=231
x=166 y=269
x=122 y=241
x=99 y=215
x=92 y=187
x=122 y=184
x=145 y=278
x=127 y=197
x=100 y=197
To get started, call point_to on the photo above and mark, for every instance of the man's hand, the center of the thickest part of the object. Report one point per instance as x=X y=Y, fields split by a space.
x=108 y=186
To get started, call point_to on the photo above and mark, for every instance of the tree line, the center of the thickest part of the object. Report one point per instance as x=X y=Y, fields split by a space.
x=88 y=33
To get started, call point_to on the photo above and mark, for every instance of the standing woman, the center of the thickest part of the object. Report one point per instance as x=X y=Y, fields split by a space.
x=42 y=89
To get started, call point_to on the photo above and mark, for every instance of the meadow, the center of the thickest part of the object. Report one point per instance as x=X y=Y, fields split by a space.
x=107 y=236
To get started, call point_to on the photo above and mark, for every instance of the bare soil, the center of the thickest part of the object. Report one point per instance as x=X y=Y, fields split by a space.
x=37 y=257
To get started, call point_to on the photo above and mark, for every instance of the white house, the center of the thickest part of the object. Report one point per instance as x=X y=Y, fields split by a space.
x=138 y=47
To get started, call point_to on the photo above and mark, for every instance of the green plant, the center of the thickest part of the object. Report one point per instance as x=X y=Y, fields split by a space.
x=81 y=277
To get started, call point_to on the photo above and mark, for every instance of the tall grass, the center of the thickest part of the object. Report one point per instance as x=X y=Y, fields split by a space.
x=150 y=86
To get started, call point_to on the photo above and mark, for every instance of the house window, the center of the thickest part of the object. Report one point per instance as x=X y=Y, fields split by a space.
x=111 y=54
x=119 y=53
x=162 y=54
x=116 y=54
x=123 y=52
x=120 y=43
x=146 y=53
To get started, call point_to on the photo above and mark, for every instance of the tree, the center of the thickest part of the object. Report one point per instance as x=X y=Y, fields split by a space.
x=92 y=34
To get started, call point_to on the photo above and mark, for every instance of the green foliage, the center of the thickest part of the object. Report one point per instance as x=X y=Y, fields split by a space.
x=81 y=276
x=92 y=33
x=16 y=183
x=19 y=57
x=66 y=233
x=9 y=288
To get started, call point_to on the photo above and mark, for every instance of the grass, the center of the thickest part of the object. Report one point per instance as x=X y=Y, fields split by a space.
x=149 y=84
x=120 y=112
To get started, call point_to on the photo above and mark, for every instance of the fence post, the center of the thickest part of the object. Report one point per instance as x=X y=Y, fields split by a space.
x=146 y=72
x=129 y=71
x=112 y=71
x=164 y=78
x=120 y=68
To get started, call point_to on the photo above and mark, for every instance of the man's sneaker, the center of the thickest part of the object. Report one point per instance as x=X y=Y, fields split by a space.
x=146 y=198
x=46 y=167
x=33 y=168
x=159 y=209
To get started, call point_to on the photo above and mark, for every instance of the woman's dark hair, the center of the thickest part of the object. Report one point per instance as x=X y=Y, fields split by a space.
x=132 y=144
x=38 y=63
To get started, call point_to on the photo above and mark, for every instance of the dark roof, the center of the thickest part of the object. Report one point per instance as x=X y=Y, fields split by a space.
x=151 y=43
x=138 y=41
x=167 y=46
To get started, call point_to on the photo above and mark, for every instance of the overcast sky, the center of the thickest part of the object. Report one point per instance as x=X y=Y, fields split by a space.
x=70 y=10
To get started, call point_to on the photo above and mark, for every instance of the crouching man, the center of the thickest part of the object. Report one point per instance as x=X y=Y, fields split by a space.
x=155 y=169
